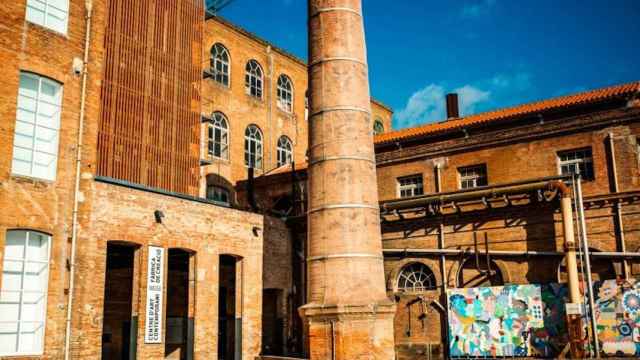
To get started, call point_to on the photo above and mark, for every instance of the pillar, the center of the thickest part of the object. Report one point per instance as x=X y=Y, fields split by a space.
x=348 y=314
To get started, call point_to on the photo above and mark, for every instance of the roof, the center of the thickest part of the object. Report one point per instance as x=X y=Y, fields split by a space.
x=582 y=98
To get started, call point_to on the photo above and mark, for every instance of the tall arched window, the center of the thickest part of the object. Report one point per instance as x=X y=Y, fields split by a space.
x=285 y=151
x=253 y=147
x=416 y=277
x=253 y=79
x=285 y=93
x=23 y=299
x=378 y=127
x=218 y=137
x=220 y=64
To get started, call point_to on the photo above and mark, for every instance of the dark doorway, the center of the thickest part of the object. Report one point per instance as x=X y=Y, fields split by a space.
x=119 y=332
x=179 y=321
x=229 y=313
x=272 y=322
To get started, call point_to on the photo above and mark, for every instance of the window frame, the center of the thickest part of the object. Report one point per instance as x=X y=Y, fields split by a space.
x=253 y=135
x=46 y=14
x=220 y=124
x=412 y=187
x=36 y=124
x=217 y=51
x=429 y=275
x=588 y=161
x=378 y=122
x=281 y=151
x=221 y=190
x=254 y=79
x=44 y=291
x=285 y=103
x=474 y=178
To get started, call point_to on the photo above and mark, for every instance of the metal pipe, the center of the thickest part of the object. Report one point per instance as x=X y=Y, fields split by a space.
x=76 y=191
x=618 y=205
x=458 y=252
x=443 y=260
x=587 y=263
x=489 y=191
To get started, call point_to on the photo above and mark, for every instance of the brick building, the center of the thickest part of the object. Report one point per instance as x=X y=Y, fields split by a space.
x=464 y=202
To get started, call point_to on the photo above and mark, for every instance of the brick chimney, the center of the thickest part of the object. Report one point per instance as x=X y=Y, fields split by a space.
x=349 y=314
x=453 y=110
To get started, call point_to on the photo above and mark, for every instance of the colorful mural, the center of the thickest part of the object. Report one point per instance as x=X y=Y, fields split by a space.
x=618 y=317
x=529 y=320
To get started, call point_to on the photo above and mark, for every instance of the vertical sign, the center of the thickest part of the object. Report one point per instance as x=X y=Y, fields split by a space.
x=155 y=282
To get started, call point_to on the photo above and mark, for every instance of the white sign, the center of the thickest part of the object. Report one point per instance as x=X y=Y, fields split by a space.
x=574 y=309
x=155 y=284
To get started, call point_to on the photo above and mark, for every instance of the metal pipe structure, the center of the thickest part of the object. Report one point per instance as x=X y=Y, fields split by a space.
x=443 y=259
x=618 y=205
x=506 y=253
x=587 y=263
x=76 y=190
x=349 y=315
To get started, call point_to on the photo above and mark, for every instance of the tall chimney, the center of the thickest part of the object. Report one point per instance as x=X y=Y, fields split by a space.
x=453 y=111
x=349 y=314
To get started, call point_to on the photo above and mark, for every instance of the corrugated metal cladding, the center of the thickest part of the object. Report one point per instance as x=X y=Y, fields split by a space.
x=149 y=129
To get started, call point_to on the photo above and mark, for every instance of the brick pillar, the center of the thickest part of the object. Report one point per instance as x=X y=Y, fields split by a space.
x=349 y=314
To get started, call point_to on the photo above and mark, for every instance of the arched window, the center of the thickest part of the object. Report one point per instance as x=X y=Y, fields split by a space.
x=253 y=147
x=478 y=274
x=253 y=79
x=285 y=93
x=285 y=151
x=220 y=64
x=23 y=299
x=218 y=194
x=416 y=277
x=378 y=127
x=218 y=137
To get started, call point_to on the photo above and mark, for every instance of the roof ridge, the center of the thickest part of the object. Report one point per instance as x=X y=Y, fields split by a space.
x=511 y=111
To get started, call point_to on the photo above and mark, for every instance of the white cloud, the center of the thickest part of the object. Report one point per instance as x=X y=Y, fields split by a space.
x=428 y=104
x=518 y=81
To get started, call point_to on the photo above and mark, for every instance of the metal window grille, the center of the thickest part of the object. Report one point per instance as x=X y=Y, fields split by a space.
x=285 y=151
x=253 y=79
x=285 y=93
x=220 y=64
x=416 y=277
x=253 y=147
x=218 y=137
x=576 y=161
x=473 y=176
x=410 y=186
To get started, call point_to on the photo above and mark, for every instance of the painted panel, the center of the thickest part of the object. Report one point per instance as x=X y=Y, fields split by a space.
x=618 y=317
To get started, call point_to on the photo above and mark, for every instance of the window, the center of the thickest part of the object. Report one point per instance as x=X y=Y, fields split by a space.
x=35 y=146
x=473 y=176
x=253 y=147
x=576 y=161
x=53 y=14
x=285 y=93
x=23 y=298
x=285 y=151
x=378 y=127
x=220 y=64
x=218 y=194
x=410 y=186
x=416 y=277
x=218 y=137
x=253 y=79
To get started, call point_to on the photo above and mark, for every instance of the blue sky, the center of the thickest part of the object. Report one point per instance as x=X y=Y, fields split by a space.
x=494 y=53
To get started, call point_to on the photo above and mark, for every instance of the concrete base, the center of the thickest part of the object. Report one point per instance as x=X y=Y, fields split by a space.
x=353 y=332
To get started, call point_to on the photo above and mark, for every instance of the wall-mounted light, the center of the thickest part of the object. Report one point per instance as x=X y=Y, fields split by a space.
x=158 y=215
x=256 y=231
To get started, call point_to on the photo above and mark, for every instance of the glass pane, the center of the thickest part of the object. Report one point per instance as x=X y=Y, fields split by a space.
x=28 y=84
x=46 y=140
x=33 y=305
x=50 y=91
x=23 y=141
x=31 y=336
x=48 y=115
x=15 y=244
x=9 y=305
x=12 y=275
x=8 y=338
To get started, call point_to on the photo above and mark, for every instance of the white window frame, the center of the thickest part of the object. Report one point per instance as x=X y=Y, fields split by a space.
x=412 y=183
x=253 y=79
x=586 y=159
x=48 y=10
x=466 y=173
x=24 y=260
x=220 y=58
x=253 y=147
x=285 y=151
x=285 y=93
x=416 y=274
x=218 y=135
x=31 y=124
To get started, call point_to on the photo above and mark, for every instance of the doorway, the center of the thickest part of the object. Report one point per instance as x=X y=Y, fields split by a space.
x=178 y=343
x=229 y=309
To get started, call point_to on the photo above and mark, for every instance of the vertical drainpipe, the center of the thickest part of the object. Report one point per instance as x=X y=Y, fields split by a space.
x=443 y=262
x=269 y=164
x=76 y=193
x=618 y=205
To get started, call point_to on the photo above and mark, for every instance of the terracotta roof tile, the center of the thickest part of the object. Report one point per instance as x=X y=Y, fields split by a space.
x=506 y=113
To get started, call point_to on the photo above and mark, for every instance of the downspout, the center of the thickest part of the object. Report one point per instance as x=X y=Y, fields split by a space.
x=443 y=262
x=76 y=193
x=574 y=321
x=618 y=205
x=270 y=111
